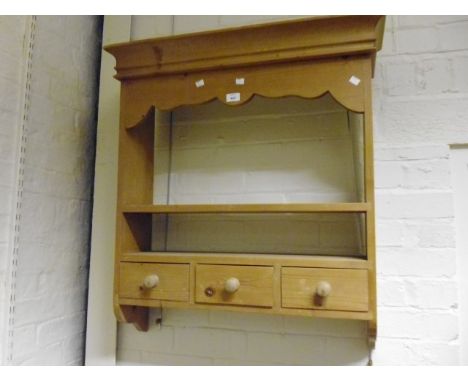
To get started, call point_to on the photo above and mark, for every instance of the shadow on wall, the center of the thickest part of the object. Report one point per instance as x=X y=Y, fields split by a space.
x=198 y=337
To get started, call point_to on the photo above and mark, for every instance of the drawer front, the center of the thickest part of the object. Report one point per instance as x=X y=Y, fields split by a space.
x=345 y=289
x=254 y=285
x=172 y=285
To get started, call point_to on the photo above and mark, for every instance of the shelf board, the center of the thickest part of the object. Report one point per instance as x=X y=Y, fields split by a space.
x=317 y=261
x=162 y=304
x=245 y=208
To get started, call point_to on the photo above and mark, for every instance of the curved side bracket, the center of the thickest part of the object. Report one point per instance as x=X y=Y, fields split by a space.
x=137 y=315
x=146 y=118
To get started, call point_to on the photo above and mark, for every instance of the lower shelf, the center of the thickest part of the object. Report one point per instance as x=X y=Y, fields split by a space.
x=314 y=286
x=335 y=314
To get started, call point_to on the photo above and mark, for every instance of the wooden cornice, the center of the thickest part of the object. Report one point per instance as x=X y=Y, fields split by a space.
x=296 y=40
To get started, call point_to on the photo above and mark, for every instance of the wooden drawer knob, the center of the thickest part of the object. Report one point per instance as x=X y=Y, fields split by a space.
x=209 y=292
x=323 y=289
x=150 y=282
x=231 y=285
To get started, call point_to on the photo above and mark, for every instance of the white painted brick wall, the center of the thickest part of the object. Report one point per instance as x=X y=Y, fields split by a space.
x=421 y=106
x=53 y=255
x=222 y=157
x=11 y=53
x=51 y=277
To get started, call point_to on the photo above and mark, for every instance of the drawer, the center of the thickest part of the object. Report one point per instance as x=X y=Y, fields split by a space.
x=344 y=289
x=234 y=285
x=172 y=281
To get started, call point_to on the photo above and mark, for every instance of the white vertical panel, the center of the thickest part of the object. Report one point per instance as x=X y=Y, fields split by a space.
x=13 y=30
x=101 y=334
x=459 y=164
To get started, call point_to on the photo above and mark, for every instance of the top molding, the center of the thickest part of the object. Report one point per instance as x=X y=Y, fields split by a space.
x=286 y=41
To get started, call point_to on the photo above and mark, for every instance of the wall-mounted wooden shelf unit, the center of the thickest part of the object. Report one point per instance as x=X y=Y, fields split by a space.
x=306 y=58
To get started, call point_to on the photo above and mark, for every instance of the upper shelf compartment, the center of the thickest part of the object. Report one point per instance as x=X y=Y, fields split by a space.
x=307 y=58
x=288 y=150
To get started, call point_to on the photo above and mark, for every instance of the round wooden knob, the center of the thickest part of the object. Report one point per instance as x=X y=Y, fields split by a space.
x=323 y=289
x=209 y=292
x=231 y=285
x=150 y=282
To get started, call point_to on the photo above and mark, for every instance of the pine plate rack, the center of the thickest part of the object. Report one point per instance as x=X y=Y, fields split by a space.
x=307 y=58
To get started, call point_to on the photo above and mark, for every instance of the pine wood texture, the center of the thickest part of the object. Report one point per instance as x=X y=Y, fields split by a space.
x=163 y=72
x=370 y=216
x=307 y=58
x=302 y=39
x=332 y=314
x=136 y=314
x=173 y=281
x=304 y=79
x=349 y=289
x=340 y=262
x=246 y=208
x=256 y=274
x=256 y=285
x=135 y=185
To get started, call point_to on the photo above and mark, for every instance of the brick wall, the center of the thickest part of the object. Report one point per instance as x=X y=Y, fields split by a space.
x=421 y=106
x=224 y=155
x=11 y=57
x=50 y=285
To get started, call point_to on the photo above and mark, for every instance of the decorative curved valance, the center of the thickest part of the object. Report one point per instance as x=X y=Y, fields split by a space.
x=344 y=79
x=305 y=58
